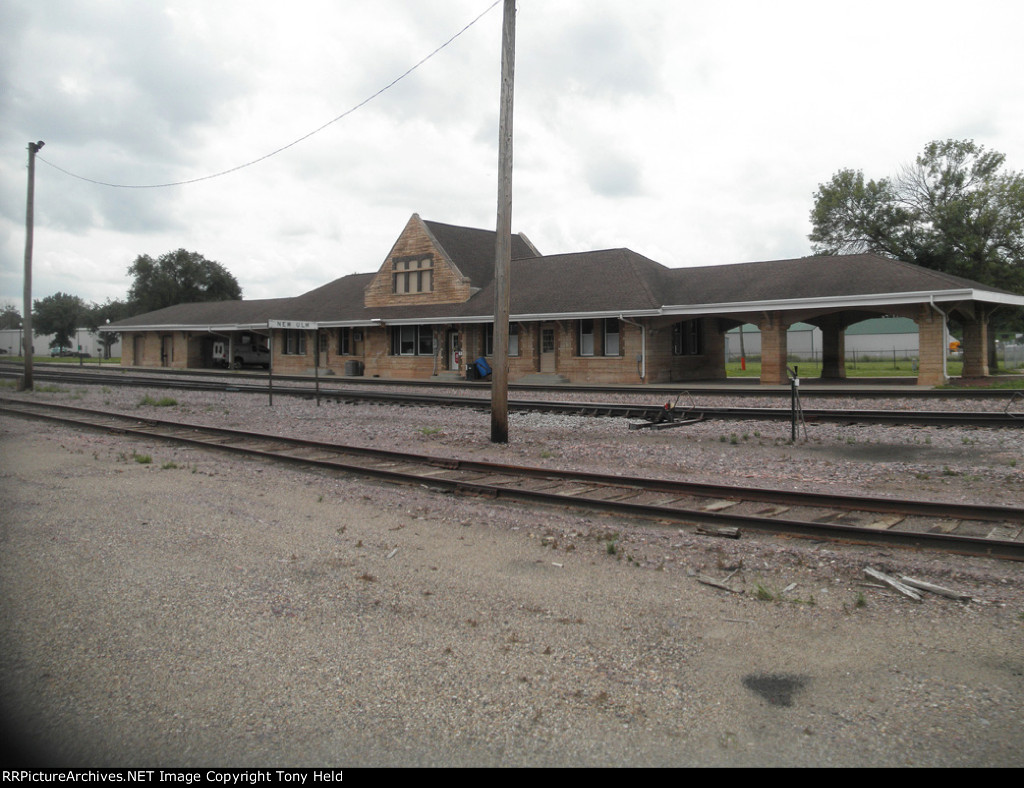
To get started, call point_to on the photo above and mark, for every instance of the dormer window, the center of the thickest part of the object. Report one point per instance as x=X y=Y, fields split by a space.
x=414 y=275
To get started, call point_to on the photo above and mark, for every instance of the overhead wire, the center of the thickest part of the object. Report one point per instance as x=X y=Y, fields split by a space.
x=292 y=144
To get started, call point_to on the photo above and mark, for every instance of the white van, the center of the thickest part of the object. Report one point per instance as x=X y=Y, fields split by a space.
x=248 y=350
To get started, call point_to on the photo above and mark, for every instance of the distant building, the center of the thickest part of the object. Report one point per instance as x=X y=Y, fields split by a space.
x=10 y=341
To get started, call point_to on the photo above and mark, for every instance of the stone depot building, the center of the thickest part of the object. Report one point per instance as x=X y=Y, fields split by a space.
x=610 y=316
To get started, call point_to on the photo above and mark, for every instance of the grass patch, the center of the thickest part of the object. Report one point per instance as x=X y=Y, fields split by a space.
x=142 y=459
x=163 y=402
x=990 y=383
x=169 y=466
x=862 y=368
x=764 y=594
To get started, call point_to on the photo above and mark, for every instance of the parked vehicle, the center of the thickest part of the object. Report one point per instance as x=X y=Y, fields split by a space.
x=247 y=350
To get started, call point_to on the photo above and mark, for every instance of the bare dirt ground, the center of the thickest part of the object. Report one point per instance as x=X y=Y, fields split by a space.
x=198 y=610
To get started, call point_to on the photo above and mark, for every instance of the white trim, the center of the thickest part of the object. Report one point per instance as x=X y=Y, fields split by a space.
x=524 y=318
x=833 y=302
x=192 y=327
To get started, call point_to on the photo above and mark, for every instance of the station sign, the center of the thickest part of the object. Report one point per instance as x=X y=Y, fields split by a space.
x=301 y=325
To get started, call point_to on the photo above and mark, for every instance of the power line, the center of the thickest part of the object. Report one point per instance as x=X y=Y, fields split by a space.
x=292 y=144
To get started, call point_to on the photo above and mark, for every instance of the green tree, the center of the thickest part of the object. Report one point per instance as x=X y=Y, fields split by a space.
x=110 y=311
x=179 y=277
x=61 y=315
x=10 y=318
x=954 y=210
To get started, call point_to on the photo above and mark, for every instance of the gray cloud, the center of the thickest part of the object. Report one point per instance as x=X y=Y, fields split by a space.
x=609 y=174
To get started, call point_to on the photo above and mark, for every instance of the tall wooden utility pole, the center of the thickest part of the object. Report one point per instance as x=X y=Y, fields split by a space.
x=503 y=244
x=26 y=320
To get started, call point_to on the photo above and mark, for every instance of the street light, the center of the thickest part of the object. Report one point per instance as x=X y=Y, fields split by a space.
x=33 y=149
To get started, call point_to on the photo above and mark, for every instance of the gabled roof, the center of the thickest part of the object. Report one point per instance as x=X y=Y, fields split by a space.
x=611 y=281
x=207 y=314
x=603 y=283
x=473 y=250
x=827 y=279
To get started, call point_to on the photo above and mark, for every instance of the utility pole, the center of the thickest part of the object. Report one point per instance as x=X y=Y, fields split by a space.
x=503 y=243
x=26 y=320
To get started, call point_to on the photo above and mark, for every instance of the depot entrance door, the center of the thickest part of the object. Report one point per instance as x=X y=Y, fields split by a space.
x=548 y=356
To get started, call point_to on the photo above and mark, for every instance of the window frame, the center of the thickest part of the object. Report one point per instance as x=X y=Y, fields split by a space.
x=413 y=337
x=688 y=338
x=294 y=342
x=617 y=333
x=585 y=345
x=513 y=340
x=344 y=341
x=415 y=270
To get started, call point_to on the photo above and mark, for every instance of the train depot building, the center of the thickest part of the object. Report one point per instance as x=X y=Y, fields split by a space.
x=610 y=316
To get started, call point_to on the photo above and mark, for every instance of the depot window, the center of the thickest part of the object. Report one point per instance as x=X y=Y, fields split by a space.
x=611 y=337
x=413 y=275
x=586 y=338
x=345 y=341
x=294 y=342
x=687 y=338
x=412 y=341
x=599 y=337
x=513 y=339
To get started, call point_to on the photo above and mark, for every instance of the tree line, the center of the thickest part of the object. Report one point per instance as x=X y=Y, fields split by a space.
x=956 y=209
x=177 y=277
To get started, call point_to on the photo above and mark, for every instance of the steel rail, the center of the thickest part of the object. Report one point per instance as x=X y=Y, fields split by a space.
x=737 y=387
x=407 y=468
x=1006 y=418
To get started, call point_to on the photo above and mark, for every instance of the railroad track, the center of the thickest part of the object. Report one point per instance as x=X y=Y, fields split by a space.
x=1009 y=412
x=861 y=388
x=995 y=531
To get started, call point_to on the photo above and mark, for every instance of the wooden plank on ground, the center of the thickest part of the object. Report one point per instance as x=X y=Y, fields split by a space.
x=892 y=582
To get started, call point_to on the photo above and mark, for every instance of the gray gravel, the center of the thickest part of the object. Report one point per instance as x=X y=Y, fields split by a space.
x=200 y=610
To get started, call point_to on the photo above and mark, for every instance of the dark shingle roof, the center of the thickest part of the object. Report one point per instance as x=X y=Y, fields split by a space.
x=208 y=313
x=612 y=280
x=609 y=282
x=473 y=250
x=808 y=277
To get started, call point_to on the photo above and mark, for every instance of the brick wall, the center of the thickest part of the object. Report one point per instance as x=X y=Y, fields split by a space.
x=773 y=349
x=664 y=366
x=931 y=347
x=975 y=346
x=152 y=347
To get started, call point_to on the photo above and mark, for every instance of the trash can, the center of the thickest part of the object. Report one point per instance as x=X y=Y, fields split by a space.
x=482 y=367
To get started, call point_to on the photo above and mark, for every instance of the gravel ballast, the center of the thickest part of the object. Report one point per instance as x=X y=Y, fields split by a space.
x=198 y=609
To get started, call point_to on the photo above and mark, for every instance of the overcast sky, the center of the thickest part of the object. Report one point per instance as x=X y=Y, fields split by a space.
x=695 y=133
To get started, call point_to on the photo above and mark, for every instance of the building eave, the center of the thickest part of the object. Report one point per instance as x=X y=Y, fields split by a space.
x=211 y=328
x=525 y=318
x=846 y=302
